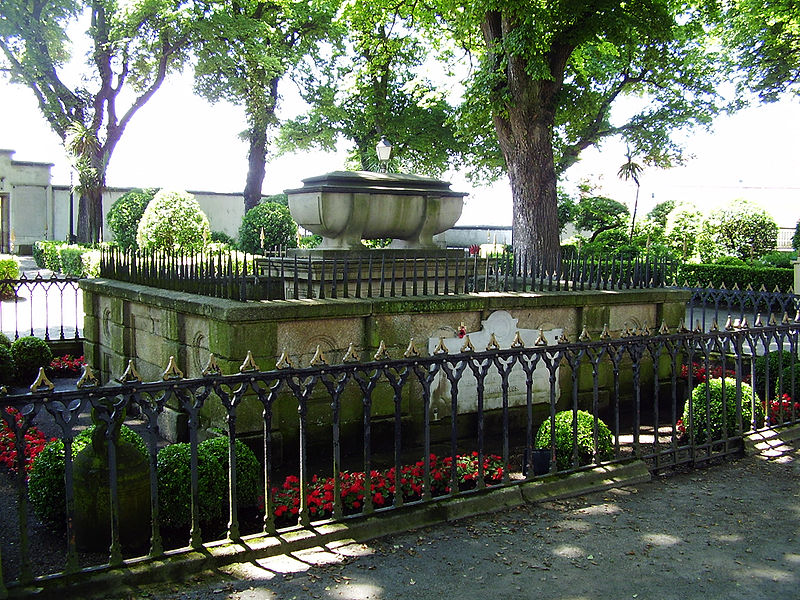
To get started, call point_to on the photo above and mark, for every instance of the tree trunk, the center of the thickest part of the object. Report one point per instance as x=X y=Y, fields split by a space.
x=256 y=166
x=531 y=171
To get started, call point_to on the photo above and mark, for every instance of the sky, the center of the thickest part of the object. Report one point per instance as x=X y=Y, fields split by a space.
x=180 y=141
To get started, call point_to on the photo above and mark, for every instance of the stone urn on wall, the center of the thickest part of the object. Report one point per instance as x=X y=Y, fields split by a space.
x=345 y=207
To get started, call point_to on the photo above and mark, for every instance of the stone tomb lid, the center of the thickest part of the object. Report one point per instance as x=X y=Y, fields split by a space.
x=376 y=183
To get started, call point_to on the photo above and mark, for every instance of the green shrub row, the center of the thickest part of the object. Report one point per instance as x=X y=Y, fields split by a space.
x=46 y=483
x=701 y=275
x=69 y=259
x=9 y=269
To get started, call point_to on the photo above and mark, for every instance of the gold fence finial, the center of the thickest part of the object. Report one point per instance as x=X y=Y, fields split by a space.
x=130 y=375
x=517 y=342
x=249 y=365
x=440 y=347
x=411 y=350
x=211 y=368
x=493 y=344
x=318 y=358
x=88 y=378
x=284 y=362
x=172 y=371
x=467 y=345
x=382 y=353
x=41 y=381
x=351 y=355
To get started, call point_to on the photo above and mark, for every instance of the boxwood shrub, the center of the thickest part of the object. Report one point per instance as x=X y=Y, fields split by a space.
x=275 y=221
x=8 y=370
x=124 y=215
x=249 y=475
x=710 y=412
x=173 y=221
x=174 y=485
x=46 y=481
x=585 y=440
x=9 y=269
x=29 y=354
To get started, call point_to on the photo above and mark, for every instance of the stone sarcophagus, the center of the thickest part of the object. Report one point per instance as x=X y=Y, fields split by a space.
x=345 y=207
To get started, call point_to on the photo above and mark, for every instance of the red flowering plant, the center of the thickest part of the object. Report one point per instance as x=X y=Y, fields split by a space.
x=352 y=485
x=67 y=366
x=780 y=410
x=35 y=442
x=699 y=374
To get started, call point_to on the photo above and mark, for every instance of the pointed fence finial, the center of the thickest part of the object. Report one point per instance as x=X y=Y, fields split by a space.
x=563 y=339
x=440 y=347
x=714 y=326
x=493 y=344
x=585 y=337
x=645 y=330
x=131 y=375
x=88 y=378
x=382 y=353
x=729 y=324
x=249 y=365
x=41 y=381
x=318 y=358
x=772 y=320
x=212 y=368
x=411 y=350
x=284 y=362
x=467 y=345
x=517 y=341
x=605 y=334
x=351 y=355
x=663 y=330
x=541 y=340
x=172 y=371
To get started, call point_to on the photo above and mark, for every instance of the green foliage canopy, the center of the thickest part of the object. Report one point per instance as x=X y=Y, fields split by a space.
x=740 y=229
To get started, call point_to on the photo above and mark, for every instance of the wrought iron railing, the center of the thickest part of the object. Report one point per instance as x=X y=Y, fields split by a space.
x=377 y=274
x=50 y=308
x=722 y=308
x=640 y=388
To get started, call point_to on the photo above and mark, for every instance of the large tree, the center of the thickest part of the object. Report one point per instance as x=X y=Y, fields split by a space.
x=550 y=74
x=244 y=49
x=379 y=89
x=763 y=37
x=133 y=46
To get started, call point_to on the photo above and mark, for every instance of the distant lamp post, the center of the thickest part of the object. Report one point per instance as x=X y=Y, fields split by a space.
x=71 y=210
x=384 y=150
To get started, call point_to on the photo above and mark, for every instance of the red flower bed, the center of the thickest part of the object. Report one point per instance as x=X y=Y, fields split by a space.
x=780 y=411
x=384 y=486
x=67 y=366
x=35 y=441
x=699 y=374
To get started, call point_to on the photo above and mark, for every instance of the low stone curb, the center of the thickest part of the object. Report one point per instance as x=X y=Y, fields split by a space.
x=180 y=564
x=772 y=443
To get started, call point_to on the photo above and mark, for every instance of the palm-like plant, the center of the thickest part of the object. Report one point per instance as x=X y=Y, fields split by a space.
x=631 y=170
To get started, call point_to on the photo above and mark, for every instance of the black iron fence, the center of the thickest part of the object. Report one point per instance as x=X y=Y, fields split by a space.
x=50 y=308
x=725 y=308
x=455 y=424
x=379 y=273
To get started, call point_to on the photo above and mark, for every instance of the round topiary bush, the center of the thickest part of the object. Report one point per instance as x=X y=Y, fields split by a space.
x=249 y=475
x=173 y=221
x=8 y=370
x=29 y=354
x=174 y=485
x=4 y=341
x=46 y=481
x=705 y=417
x=585 y=440
x=124 y=215
x=276 y=223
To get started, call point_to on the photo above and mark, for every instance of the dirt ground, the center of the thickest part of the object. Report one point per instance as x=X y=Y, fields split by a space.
x=730 y=531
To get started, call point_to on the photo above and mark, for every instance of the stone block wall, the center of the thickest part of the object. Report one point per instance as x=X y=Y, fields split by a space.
x=126 y=321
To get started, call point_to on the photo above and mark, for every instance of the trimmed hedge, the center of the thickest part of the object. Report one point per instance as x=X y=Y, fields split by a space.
x=585 y=440
x=276 y=223
x=9 y=269
x=124 y=215
x=700 y=275
x=69 y=259
x=707 y=424
x=30 y=353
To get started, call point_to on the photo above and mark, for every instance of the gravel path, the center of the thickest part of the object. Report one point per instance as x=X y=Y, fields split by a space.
x=729 y=531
